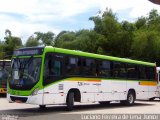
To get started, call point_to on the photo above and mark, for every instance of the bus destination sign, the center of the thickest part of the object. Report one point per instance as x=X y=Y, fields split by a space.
x=28 y=51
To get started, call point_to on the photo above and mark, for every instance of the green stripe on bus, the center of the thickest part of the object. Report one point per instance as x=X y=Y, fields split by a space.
x=92 y=55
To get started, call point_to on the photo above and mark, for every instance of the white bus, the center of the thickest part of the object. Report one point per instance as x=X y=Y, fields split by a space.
x=158 y=85
x=48 y=75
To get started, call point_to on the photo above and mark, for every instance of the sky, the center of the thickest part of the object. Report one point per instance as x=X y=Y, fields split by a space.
x=24 y=17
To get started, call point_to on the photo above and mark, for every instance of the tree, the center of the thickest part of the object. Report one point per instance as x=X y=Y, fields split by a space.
x=65 y=39
x=11 y=43
x=141 y=22
x=145 y=45
x=118 y=36
x=2 y=52
x=31 y=42
x=89 y=41
x=45 y=38
x=58 y=37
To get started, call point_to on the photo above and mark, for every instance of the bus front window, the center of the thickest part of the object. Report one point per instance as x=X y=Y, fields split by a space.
x=25 y=73
x=3 y=77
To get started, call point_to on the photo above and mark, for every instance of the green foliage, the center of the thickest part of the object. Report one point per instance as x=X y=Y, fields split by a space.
x=136 y=40
x=141 y=23
x=31 y=42
x=145 y=45
x=45 y=38
x=40 y=38
x=65 y=40
x=11 y=43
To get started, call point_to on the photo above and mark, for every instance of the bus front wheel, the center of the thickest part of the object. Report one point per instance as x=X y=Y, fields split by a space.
x=151 y=99
x=70 y=101
x=130 y=99
x=42 y=106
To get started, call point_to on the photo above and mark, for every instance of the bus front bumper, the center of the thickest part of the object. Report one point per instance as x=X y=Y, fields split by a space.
x=36 y=99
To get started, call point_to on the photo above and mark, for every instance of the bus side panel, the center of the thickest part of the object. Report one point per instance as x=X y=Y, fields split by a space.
x=106 y=88
x=36 y=99
x=87 y=89
x=52 y=95
x=153 y=91
x=119 y=89
x=141 y=90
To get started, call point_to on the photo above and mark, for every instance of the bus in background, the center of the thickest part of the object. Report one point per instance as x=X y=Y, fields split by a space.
x=48 y=75
x=4 y=73
x=158 y=85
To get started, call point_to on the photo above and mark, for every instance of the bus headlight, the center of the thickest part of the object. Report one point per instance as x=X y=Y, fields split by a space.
x=35 y=91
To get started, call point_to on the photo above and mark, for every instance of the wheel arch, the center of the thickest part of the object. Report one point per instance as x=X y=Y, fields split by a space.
x=132 y=90
x=77 y=94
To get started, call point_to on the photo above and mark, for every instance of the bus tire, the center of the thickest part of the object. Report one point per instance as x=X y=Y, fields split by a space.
x=104 y=103
x=130 y=99
x=151 y=99
x=70 y=101
x=42 y=106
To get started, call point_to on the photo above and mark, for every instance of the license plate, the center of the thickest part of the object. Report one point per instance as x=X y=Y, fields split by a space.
x=18 y=101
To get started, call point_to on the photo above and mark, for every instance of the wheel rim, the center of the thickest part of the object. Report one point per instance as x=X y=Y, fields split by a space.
x=130 y=98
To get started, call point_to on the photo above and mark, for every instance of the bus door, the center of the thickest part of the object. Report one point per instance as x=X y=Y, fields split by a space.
x=119 y=82
x=152 y=83
x=143 y=85
x=158 y=83
x=52 y=73
x=89 y=87
x=104 y=87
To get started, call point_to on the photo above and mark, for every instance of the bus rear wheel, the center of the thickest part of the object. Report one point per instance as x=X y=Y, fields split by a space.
x=70 y=101
x=151 y=99
x=130 y=99
x=42 y=106
x=104 y=103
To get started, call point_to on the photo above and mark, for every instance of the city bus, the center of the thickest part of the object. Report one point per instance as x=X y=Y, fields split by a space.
x=4 y=73
x=49 y=76
x=158 y=85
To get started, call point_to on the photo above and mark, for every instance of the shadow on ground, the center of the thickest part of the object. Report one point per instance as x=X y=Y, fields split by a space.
x=2 y=95
x=155 y=100
x=61 y=109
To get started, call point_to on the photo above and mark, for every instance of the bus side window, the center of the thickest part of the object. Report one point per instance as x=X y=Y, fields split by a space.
x=132 y=71
x=150 y=71
x=105 y=69
x=73 y=66
x=48 y=66
x=119 y=70
x=142 y=71
x=89 y=67
x=52 y=69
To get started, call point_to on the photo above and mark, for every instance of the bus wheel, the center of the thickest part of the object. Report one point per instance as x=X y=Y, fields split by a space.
x=104 y=103
x=42 y=106
x=151 y=99
x=130 y=99
x=70 y=101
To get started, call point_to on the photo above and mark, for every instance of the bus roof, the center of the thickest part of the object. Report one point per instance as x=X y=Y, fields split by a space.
x=85 y=54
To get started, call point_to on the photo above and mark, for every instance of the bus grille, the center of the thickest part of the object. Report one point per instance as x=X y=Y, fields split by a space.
x=22 y=99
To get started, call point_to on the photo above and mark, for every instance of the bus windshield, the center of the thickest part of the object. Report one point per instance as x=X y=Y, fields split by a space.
x=25 y=73
x=3 y=77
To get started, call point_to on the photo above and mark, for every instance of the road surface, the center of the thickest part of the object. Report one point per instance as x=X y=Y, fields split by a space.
x=16 y=111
